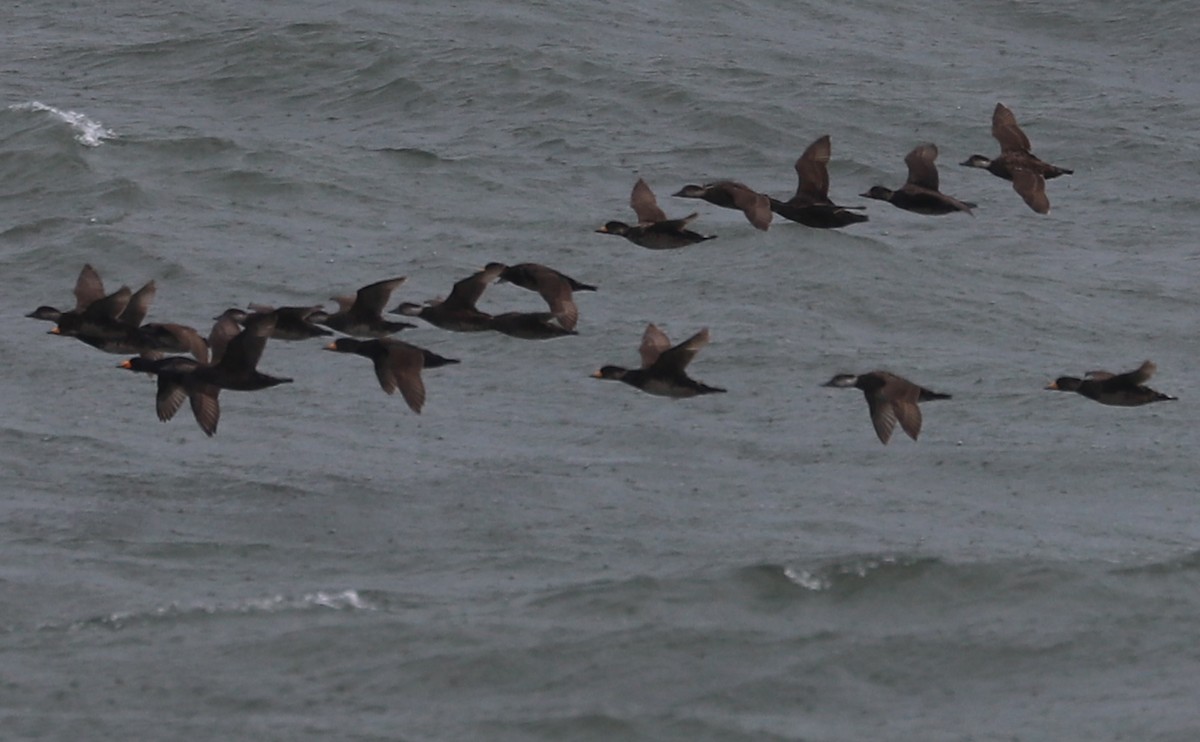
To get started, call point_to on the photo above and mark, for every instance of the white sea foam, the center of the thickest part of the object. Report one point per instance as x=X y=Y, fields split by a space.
x=340 y=601
x=88 y=132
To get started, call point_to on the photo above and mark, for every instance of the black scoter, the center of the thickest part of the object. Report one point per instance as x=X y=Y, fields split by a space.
x=920 y=193
x=811 y=205
x=890 y=398
x=398 y=365
x=531 y=325
x=554 y=287
x=361 y=315
x=731 y=194
x=664 y=368
x=88 y=289
x=654 y=231
x=457 y=311
x=291 y=323
x=1016 y=161
x=234 y=366
x=1118 y=390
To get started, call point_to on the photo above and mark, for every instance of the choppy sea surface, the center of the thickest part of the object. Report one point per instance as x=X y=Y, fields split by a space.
x=544 y=556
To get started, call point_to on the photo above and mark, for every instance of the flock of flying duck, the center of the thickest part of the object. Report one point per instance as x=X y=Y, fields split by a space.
x=228 y=358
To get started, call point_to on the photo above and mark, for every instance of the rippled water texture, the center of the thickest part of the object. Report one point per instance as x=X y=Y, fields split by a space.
x=543 y=556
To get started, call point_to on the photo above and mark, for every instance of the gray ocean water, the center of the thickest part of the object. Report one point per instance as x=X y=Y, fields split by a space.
x=544 y=556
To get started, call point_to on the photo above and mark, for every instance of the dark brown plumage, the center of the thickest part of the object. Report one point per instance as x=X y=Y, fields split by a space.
x=920 y=193
x=112 y=323
x=810 y=205
x=398 y=365
x=731 y=194
x=890 y=398
x=530 y=325
x=234 y=366
x=1016 y=161
x=291 y=323
x=663 y=370
x=361 y=315
x=1118 y=390
x=557 y=289
x=457 y=311
x=654 y=231
x=89 y=288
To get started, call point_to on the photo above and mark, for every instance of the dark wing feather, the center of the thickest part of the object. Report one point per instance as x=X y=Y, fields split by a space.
x=756 y=206
x=224 y=330
x=109 y=307
x=243 y=352
x=909 y=415
x=813 y=173
x=406 y=363
x=372 y=299
x=383 y=372
x=645 y=205
x=883 y=417
x=170 y=396
x=88 y=287
x=921 y=170
x=467 y=291
x=139 y=305
x=556 y=291
x=654 y=343
x=1006 y=131
x=678 y=358
x=206 y=407
x=1141 y=374
x=1032 y=188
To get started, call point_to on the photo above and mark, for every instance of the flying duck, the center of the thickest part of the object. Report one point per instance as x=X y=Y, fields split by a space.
x=920 y=193
x=663 y=370
x=1016 y=161
x=1118 y=390
x=890 y=398
x=654 y=231
x=730 y=194
x=811 y=205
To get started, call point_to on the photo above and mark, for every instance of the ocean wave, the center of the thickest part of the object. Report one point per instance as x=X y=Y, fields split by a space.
x=88 y=131
x=1185 y=564
x=858 y=571
x=343 y=600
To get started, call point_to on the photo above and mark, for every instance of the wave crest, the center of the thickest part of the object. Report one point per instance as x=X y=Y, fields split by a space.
x=88 y=132
x=344 y=600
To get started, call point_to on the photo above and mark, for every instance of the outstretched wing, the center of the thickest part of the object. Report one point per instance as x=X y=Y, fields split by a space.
x=467 y=291
x=645 y=205
x=1032 y=188
x=883 y=417
x=813 y=173
x=921 y=170
x=243 y=352
x=909 y=415
x=1006 y=131
x=405 y=363
x=677 y=358
x=88 y=287
x=205 y=406
x=654 y=344
x=139 y=305
x=756 y=206
x=372 y=299
x=108 y=307
x=1140 y=375
x=170 y=396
